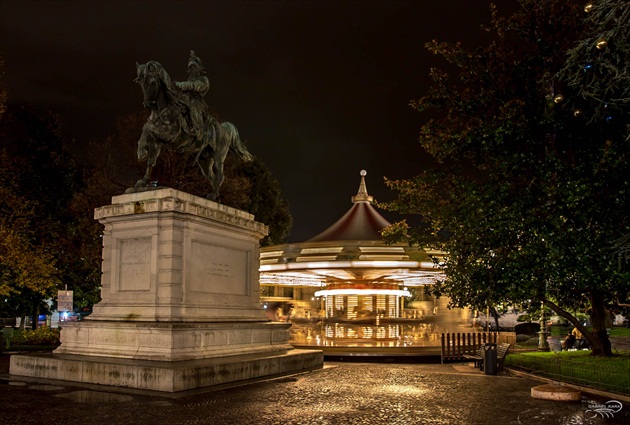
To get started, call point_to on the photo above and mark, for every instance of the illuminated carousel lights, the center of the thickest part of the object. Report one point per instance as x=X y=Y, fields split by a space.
x=357 y=291
x=346 y=265
x=296 y=279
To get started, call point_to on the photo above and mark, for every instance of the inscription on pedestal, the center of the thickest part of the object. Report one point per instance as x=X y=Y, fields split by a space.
x=218 y=269
x=135 y=264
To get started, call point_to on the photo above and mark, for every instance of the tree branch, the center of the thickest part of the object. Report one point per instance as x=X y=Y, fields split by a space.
x=563 y=313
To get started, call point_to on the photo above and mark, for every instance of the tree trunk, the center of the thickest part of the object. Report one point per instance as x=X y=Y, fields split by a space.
x=35 y=318
x=601 y=343
x=495 y=315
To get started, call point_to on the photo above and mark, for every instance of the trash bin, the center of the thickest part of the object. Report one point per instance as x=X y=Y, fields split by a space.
x=490 y=358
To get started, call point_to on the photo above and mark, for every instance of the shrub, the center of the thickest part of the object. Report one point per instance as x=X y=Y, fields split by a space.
x=532 y=341
x=522 y=338
x=40 y=336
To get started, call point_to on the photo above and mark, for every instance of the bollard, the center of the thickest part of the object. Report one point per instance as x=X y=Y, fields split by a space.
x=490 y=358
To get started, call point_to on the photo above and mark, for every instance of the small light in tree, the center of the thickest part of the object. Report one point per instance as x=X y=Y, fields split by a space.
x=558 y=98
x=577 y=113
x=601 y=43
x=588 y=6
x=588 y=67
x=609 y=119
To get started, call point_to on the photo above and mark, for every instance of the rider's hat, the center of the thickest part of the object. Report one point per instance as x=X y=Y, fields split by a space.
x=194 y=60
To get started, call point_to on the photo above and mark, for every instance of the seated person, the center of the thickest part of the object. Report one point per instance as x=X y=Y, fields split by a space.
x=577 y=334
x=568 y=342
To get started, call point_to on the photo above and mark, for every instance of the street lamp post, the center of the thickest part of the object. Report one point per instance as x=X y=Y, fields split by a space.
x=543 y=345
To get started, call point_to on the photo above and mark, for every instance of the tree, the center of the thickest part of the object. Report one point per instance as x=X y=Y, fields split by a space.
x=262 y=198
x=82 y=245
x=27 y=270
x=598 y=72
x=36 y=181
x=531 y=187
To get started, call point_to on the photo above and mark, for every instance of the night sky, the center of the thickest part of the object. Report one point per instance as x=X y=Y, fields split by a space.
x=318 y=89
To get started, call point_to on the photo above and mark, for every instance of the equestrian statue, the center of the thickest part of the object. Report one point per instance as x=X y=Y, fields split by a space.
x=180 y=121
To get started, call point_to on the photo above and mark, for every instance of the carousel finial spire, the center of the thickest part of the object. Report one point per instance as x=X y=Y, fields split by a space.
x=362 y=194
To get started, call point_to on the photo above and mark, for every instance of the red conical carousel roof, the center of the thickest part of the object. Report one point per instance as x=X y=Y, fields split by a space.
x=361 y=222
x=351 y=249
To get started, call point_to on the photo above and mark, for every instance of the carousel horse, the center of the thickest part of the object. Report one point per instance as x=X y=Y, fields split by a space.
x=169 y=126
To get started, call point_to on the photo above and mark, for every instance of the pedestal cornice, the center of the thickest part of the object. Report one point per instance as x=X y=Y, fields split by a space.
x=172 y=200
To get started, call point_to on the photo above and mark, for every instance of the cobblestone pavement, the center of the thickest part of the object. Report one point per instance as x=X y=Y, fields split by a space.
x=341 y=393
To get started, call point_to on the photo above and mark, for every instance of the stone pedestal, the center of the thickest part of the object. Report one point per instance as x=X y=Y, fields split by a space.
x=179 y=285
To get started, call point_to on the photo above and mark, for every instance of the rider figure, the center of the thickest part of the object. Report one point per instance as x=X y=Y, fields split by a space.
x=196 y=86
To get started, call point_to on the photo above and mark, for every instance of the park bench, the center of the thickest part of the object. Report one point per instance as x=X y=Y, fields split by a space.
x=502 y=351
x=477 y=358
x=582 y=344
x=576 y=344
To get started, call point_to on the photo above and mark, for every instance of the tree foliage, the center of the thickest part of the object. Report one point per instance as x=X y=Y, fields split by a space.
x=262 y=198
x=25 y=266
x=531 y=188
x=38 y=180
x=44 y=228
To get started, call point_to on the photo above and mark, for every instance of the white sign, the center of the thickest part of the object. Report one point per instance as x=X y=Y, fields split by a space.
x=65 y=301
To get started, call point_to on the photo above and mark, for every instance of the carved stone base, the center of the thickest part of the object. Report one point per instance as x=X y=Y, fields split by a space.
x=171 y=377
x=169 y=256
x=180 y=302
x=172 y=341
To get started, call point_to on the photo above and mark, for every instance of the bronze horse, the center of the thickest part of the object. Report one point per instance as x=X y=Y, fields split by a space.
x=169 y=126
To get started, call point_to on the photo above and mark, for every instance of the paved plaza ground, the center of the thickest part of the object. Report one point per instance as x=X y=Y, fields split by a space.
x=340 y=393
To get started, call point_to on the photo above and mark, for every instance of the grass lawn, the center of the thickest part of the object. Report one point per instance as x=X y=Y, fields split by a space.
x=619 y=331
x=615 y=331
x=577 y=367
x=559 y=331
x=583 y=357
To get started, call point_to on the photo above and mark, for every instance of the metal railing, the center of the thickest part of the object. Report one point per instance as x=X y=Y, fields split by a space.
x=602 y=377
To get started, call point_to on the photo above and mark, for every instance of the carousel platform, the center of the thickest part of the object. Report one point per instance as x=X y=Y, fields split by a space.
x=363 y=352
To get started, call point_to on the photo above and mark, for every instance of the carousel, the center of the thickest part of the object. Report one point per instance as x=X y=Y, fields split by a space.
x=348 y=292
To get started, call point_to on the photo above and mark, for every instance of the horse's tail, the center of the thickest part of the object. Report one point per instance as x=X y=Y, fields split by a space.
x=236 y=145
